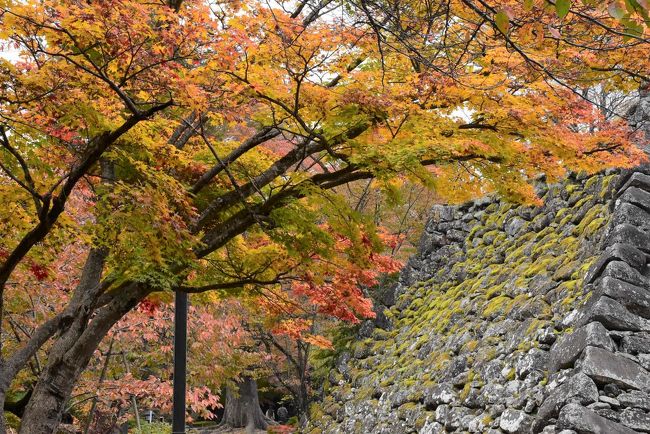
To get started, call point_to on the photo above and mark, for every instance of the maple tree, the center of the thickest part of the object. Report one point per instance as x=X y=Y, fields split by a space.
x=202 y=145
x=322 y=291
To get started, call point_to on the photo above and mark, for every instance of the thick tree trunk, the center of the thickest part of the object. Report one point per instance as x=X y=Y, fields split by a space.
x=242 y=408
x=68 y=358
x=87 y=289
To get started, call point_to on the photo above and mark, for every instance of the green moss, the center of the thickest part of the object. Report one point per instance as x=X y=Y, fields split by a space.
x=421 y=421
x=12 y=420
x=540 y=266
x=582 y=201
x=470 y=345
x=524 y=346
x=535 y=325
x=315 y=412
x=465 y=392
x=409 y=382
x=604 y=188
x=591 y=182
x=496 y=305
x=594 y=226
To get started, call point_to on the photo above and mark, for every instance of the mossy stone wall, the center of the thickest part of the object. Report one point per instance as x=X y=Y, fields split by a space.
x=493 y=288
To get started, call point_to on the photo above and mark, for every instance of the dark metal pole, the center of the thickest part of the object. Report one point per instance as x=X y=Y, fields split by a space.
x=180 y=363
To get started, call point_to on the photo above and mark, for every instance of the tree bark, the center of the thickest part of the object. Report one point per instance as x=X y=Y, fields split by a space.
x=68 y=358
x=242 y=408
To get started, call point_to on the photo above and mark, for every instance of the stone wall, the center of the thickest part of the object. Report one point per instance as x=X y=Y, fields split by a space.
x=606 y=358
x=511 y=319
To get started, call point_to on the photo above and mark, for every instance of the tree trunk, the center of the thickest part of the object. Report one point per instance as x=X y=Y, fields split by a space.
x=68 y=358
x=242 y=408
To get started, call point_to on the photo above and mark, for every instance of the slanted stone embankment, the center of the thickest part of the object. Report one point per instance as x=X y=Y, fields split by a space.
x=512 y=319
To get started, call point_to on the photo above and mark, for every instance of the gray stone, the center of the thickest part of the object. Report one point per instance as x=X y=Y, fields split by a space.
x=638 y=179
x=608 y=413
x=535 y=359
x=584 y=421
x=478 y=423
x=606 y=367
x=441 y=213
x=514 y=226
x=637 y=343
x=628 y=234
x=609 y=400
x=637 y=197
x=635 y=419
x=630 y=214
x=599 y=406
x=628 y=254
x=515 y=421
x=635 y=398
x=568 y=348
x=431 y=427
x=617 y=252
x=456 y=418
x=441 y=413
x=623 y=271
x=578 y=388
x=611 y=390
x=547 y=336
x=644 y=360
x=636 y=299
x=342 y=364
x=443 y=393
x=613 y=315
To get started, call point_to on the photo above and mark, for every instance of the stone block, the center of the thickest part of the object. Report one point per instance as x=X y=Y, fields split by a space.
x=636 y=343
x=568 y=348
x=626 y=213
x=535 y=359
x=584 y=421
x=628 y=234
x=443 y=393
x=623 y=271
x=636 y=399
x=638 y=180
x=579 y=388
x=635 y=419
x=515 y=421
x=617 y=252
x=636 y=196
x=636 y=299
x=613 y=315
x=606 y=367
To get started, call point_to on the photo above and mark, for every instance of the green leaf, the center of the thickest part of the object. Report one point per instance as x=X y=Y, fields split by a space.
x=502 y=21
x=562 y=7
x=528 y=5
x=632 y=6
x=632 y=27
